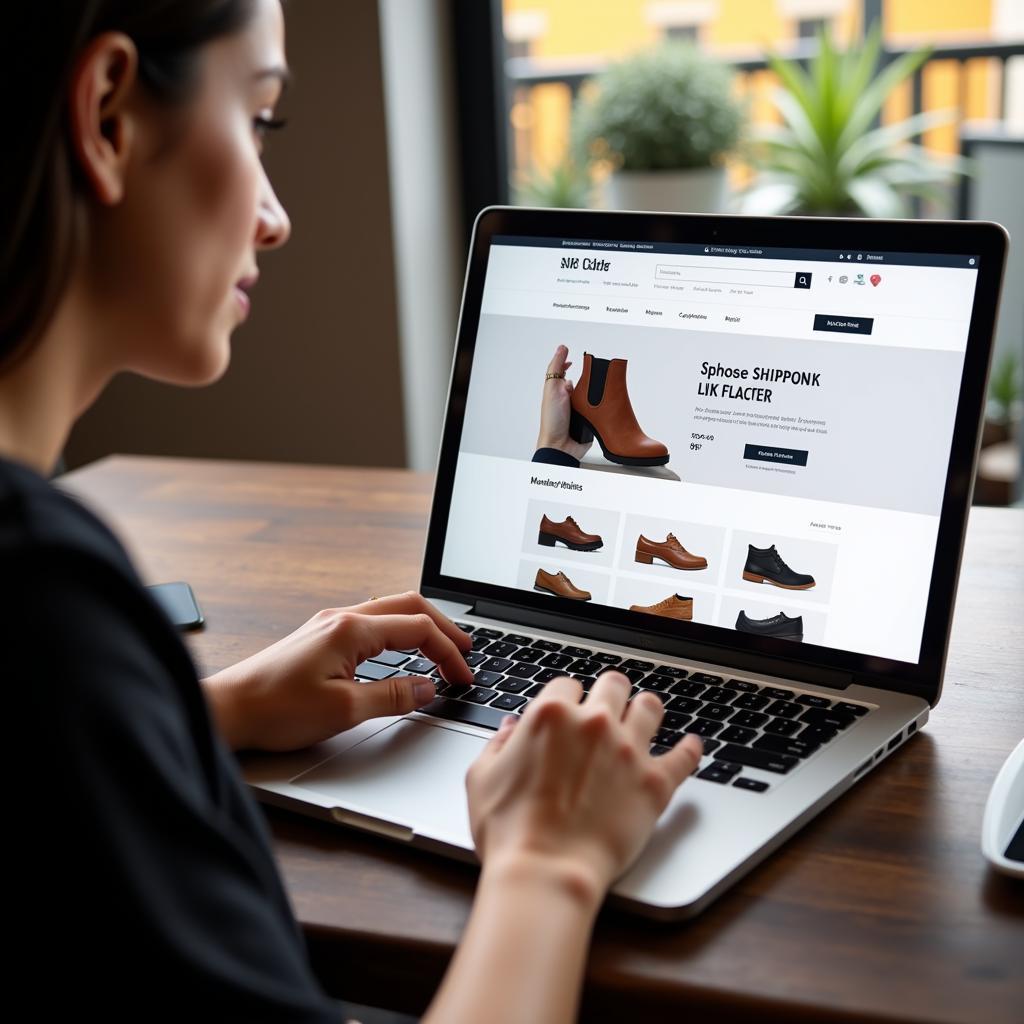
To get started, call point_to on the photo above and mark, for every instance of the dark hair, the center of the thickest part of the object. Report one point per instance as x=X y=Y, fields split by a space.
x=39 y=186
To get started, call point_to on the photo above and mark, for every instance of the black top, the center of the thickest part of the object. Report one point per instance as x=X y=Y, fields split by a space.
x=143 y=880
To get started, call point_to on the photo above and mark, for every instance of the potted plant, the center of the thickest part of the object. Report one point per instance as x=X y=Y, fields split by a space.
x=828 y=157
x=664 y=120
x=566 y=185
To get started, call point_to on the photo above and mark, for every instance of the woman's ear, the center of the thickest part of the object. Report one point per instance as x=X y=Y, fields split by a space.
x=102 y=121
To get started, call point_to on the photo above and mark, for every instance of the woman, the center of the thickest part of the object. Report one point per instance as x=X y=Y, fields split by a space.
x=133 y=206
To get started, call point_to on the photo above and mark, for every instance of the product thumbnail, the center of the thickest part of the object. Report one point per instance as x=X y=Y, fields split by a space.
x=601 y=408
x=780 y=626
x=764 y=565
x=560 y=585
x=669 y=551
x=673 y=607
x=567 y=533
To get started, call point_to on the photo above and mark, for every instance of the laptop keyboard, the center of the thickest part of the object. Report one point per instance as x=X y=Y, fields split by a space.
x=745 y=725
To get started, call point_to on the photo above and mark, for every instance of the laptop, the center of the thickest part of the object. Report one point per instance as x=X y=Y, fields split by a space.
x=752 y=502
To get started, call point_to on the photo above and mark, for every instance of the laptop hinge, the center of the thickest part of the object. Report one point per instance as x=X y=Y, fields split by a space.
x=637 y=638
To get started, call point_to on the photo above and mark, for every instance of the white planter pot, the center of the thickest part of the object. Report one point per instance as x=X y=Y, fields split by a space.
x=696 y=191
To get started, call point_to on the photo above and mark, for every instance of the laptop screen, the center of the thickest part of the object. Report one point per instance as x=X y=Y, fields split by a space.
x=751 y=438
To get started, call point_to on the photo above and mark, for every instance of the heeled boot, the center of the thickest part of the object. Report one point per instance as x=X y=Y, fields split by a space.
x=601 y=408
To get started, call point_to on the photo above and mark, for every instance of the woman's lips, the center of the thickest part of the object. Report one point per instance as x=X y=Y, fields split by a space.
x=243 y=301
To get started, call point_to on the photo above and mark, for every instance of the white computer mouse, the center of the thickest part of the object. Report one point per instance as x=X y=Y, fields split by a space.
x=1002 y=829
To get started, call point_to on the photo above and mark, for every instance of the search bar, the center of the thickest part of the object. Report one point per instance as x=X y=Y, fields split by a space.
x=727 y=276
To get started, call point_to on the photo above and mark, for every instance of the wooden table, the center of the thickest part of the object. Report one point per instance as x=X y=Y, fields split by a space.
x=881 y=909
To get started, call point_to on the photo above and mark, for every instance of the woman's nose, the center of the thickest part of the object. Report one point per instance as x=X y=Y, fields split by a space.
x=272 y=224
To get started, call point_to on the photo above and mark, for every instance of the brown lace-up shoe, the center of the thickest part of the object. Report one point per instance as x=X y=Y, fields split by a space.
x=601 y=408
x=669 y=551
x=674 y=606
x=560 y=585
x=568 y=533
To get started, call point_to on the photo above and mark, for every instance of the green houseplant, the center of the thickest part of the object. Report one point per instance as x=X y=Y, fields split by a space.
x=663 y=119
x=827 y=156
x=566 y=185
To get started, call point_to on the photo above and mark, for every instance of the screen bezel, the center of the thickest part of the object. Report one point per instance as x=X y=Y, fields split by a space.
x=985 y=240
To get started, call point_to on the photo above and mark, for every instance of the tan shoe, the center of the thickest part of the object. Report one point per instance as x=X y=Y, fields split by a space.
x=568 y=533
x=669 y=551
x=673 y=607
x=560 y=585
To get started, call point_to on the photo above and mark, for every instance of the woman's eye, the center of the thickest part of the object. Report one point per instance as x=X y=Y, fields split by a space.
x=262 y=124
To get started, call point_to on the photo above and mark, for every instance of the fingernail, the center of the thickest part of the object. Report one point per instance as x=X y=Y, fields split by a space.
x=422 y=692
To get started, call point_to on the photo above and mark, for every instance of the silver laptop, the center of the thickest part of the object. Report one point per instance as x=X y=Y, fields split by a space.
x=753 y=503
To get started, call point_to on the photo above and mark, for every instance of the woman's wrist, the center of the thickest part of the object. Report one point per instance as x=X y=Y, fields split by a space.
x=556 y=877
x=222 y=698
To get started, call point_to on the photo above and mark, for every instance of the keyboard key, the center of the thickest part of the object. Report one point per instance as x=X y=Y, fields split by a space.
x=783 y=727
x=658 y=749
x=606 y=658
x=644 y=666
x=418 y=667
x=523 y=671
x=500 y=649
x=716 y=712
x=480 y=642
x=441 y=687
x=751 y=701
x=465 y=627
x=585 y=666
x=671 y=671
x=577 y=652
x=781 y=745
x=740 y=684
x=811 y=700
x=763 y=759
x=667 y=737
x=714 y=774
x=737 y=734
x=784 y=709
x=818 y=734
x=827 y=716
x=634 y=675
x=558 y=661
x=754 y=785
x=497 y=665
x=515 y=638
x=393 y=658
x=534 y=690
x=371 y=670
x=477 y=695
x=718 y=695
x=491 y=634
x=475 y=658
x=710 y=746
x=487 y=678
x=703 y=727
x=684 y=704
x=727 y=766
x=587 y=681
x=774 y=691
x=688 y=689
x=546 y=645
x=703 y=677
x=460 y=711
x=663 y=697
x=511 y=685
x=508 y=702
x=656 y=682
x=527 y=655
x=674 y=720
x=545 y=675
x=853 y=709
x=749 y=719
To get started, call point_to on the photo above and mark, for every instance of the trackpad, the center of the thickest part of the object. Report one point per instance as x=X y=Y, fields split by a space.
x=410 y=773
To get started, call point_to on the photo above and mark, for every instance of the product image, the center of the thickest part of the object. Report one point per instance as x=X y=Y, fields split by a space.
x=601 y=408
x=764 y=565
x=780 y=626
x=675 y=606
x=560 y=585
x=669 y=551
x=567 y=533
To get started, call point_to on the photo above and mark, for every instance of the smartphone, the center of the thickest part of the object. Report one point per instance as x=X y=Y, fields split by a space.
x=180 y=604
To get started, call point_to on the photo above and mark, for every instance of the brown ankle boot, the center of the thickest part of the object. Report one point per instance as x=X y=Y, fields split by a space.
x=560 y=585
x=675 y=606
x=601 y=409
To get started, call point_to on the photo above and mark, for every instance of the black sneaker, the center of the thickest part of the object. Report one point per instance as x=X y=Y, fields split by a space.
x=765 y=566
x=780 y=626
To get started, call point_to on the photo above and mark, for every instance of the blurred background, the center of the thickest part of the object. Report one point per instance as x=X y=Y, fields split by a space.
x=408 y=116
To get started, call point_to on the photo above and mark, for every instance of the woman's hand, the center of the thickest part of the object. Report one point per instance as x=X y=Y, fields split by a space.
x=571 y=790
x=555 y=408
x=300 y=690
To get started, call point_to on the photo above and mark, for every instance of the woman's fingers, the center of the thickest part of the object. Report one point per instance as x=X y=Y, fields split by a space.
x=643 y=717
x=557 y=364
x=407 y=632
x=560 y=688
x=682 y=760
x=611 y=690
x=412 y=603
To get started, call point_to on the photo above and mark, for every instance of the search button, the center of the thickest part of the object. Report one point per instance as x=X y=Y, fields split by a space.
x=802 y=279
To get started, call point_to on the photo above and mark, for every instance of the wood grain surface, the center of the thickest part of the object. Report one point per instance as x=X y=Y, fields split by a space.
x=881 y=909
